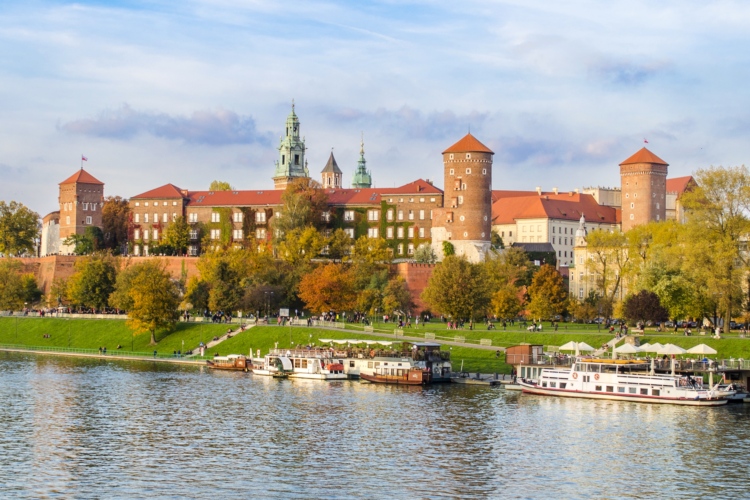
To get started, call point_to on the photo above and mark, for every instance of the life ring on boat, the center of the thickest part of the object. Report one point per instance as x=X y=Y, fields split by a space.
x=575 y=376
x=596 y=376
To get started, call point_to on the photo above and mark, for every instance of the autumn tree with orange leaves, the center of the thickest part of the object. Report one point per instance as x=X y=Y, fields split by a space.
x=328 y=288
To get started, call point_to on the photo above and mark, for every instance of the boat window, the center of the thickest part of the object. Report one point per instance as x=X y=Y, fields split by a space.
x=632 y=390
x=553 y=384
x=587 y=378
x=304 y=363
x=655 y=392
x=369 y=364
x=563 y=385
x=620 y=389
x=598 y=388
x=523 y=372
x=644 y=392
x=377 y=363
x=351 y=363
x=296 y=363
x=610 y=388
x=544 y=384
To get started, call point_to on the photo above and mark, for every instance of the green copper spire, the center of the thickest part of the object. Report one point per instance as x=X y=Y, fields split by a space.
x=362 y=178
x=291 y=161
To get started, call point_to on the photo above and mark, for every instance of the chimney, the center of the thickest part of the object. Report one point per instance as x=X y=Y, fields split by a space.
x=576 y=190
x=554 y=190
x=539 y=190
x=570 y=193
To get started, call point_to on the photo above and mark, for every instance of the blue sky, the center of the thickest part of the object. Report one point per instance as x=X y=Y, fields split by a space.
x=187 y=92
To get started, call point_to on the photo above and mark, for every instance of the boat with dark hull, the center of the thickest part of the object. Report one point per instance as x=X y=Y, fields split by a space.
x=233 y=362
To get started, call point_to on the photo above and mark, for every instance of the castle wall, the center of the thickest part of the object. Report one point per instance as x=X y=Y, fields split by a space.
x=416 y=276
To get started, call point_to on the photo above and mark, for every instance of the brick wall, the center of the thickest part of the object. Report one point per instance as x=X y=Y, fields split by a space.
x=416 y=276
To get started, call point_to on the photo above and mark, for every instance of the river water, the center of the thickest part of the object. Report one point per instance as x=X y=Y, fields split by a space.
x=87 y=428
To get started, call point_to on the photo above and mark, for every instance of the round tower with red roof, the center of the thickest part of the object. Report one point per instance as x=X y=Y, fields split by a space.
x=643 y=179
x=467 y=206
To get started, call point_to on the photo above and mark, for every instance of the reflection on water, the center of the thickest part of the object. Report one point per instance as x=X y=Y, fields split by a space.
x=99 y=428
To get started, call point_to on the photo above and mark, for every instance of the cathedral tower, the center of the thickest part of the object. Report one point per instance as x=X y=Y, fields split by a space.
x=643 y=179
x=331 y=174
x=291 y=163
x=362 y=178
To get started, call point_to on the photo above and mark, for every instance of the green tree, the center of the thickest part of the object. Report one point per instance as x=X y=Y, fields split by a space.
x=220 y=186
x=496 y=240
x=458 y=289
x=396 y=297
x=448 y=249
x=548 y=294
x=176 y=237
x=12 y=289
x=151 y=295
x=608 y=263
x=303 y=205
x=424 y=254
x=19 y=229
x=339 y=245
x=717 y=213
x=507 y=302
x=92 y=240
x=115 y=214
x=94 y=281
x=300 y=245
x=58 y=293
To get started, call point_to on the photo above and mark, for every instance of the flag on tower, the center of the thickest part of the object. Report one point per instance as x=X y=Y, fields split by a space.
x=645 y=141
x=83 y=158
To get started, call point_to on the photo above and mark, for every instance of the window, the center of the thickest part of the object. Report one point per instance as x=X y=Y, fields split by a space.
x=193 y=234
x=400 y=215
x=373 y=215
x=145 y=204
x=296 y=159
x=421 y=215
x=510 y=234
x=137 y=250
x=165 y=203
x=450 y=156
x=468 y=156
x=484 y=171
x=410 y=231
x=237 y=234
x=193 y=217
x=468 y=171
x=460 y=200
x=215 y=234
x=421 y=232
x=137 y=203
x=451 y=171
x=145 y=235
x=372 y=232
x=237 y=216
x=145 y=217
x=410 y=249
x=389 y=232
x=85 y=206
x=430 y=214
x=192 y=250
x=580 y=293
x=156 y=217
x=174 y=203
x=215 y=217
x=165 y=217
x=400 y=249
x=137 y=234
x=553 y=240
x=326 y=216
x=137 y=218
x=632 y=205
x=174 y=216
x=156 y=234
x=627 y=195
x=260 y=216
x=260 y=233
x=88 y=219
x=349 y=215
x=399 y=232
x=531 y=229
x=349 y=231
x=632 y=217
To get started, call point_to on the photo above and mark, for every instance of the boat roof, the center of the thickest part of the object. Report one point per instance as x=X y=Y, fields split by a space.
x=614 y=361
x=426 y=344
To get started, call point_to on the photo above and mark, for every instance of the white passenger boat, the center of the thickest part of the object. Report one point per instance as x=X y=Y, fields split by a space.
x=622 y=380
x=734 y=393
x=315 y=364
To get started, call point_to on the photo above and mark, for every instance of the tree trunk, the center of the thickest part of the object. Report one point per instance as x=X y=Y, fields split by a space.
x=153 y=337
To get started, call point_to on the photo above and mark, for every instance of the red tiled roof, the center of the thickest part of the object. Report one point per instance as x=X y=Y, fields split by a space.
x=468 y=144
x=82 y=177
x=644 y=156
x=165 y=191
x=372 y=196
x=679 y=184
x=562 y=206
x=234 y=198
x=420 y=186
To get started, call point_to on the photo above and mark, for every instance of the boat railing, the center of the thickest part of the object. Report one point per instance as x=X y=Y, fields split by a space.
x=303 y=353
x=562 y=360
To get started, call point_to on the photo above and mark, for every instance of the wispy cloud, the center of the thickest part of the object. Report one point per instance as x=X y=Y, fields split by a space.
x=216 y=128
x=627 y=73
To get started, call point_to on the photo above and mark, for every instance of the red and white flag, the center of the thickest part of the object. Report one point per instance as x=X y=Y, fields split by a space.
x=83 y=158
x=645 y=141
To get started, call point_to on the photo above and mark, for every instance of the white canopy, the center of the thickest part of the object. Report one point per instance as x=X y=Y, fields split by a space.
x=651 y=348
x=671 y=349
x=570 y=346
x=645 y=347
x=583 y=346
x=627 y=349
x=701 y=349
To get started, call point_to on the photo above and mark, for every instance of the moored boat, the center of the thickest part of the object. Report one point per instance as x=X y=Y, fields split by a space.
x=621 y=380
x=734 y=393
x=233 y=362
x=398 y=376
x=315 y=364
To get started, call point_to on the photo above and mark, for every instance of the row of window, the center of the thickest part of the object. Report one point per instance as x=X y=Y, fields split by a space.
x=165 y=218
x=411 y=200
x=87 y=222
x=374 y=215
x=156 y=203
x=68 y=206
x=468 y=171
x=389 y=232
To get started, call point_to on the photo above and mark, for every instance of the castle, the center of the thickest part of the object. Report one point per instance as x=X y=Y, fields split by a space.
x=418 y=213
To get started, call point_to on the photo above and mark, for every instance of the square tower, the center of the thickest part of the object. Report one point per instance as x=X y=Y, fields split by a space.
x=81 y=201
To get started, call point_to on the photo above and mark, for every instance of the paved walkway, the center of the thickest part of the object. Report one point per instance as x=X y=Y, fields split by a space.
x=221 y=339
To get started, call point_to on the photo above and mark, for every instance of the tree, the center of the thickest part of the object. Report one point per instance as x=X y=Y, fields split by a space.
x=300 y=245
x=151 y=295
x=549 y=296
x=303 y=205
x=507 y=302
x=92 y=240
x=19 y=229
x=424 y=254
x=220 y=186
x=458 y=289
x=94 y=281
x=396 y=297
x=717 y=214
x=496 y=240
x=58 y=293
x=176 y=237
x=115 y=214
x=448 y=249
x=371 y=251
x=329 y=288
x=18 y=288
x=609 y=262
x=339 y=245
x=644 y=306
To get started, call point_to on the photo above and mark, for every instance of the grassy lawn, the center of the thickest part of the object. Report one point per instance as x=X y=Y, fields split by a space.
x=92 y=334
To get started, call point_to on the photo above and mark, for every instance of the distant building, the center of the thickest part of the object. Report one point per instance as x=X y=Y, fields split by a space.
x=362 y=177
x=291 y=163
x=644 y=189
